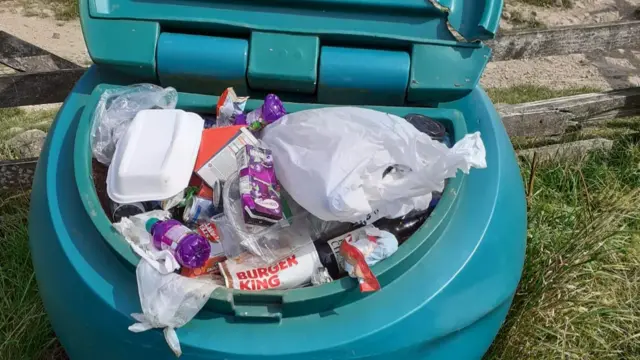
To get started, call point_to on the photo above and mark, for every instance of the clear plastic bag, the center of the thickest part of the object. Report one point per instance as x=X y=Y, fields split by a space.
x=135 y=233
x=318 y=228
x=116 y=109
x=268 y=244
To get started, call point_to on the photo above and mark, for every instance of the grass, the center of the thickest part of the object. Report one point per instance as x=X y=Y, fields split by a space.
x=545 y=3
x=25 y=332
x=578 y=298
x=17 y=120
x=527 y=93
x=60 y=9
x=65 y=9
x=527 y=22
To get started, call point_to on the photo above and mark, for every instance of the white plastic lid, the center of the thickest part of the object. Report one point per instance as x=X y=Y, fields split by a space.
x=155 y=158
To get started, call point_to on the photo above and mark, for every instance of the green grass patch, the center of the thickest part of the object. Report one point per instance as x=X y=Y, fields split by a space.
x=25 y=332
x=527 y=93
x=65 y=9
x=521 y=21
x=16 y=120
x=578 y=297
x=59 y=9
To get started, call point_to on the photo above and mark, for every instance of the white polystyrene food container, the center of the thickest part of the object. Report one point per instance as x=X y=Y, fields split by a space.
x=155 y=158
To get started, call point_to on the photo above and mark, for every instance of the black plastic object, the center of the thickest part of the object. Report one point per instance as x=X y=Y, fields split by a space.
x=328 y=258
x=403 y=227
x=119 y=211
x=424 y=124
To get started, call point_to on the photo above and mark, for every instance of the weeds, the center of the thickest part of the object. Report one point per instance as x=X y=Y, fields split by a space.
x=527 y=93
x=581 y=280
x=25 y=332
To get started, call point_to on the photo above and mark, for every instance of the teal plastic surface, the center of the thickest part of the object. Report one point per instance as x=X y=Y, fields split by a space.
x=441 y=72
x=287 y=39
x=448 y=304
x=363 y=77
x=283 y=62
x=202 y=64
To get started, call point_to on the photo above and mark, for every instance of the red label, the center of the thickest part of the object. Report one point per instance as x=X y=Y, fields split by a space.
x=263 y=278
x=209 y=231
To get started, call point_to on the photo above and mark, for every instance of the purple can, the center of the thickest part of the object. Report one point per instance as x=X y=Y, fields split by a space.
x=271 y=110
x=259 y=188
x=190 y=249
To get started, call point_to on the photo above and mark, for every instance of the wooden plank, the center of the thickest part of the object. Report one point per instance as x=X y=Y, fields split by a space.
x=23 y=56
x=37 y=88
x=566 y=40
x=15 y=174
x=575 y=150
x=552 y=117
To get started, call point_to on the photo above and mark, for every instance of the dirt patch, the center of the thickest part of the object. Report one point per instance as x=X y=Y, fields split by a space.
x=581 y=12
x=602 y=70
x=614 y=70
x=63 y=38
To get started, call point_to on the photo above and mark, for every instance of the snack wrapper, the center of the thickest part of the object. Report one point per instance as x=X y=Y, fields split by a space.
x=359 y=253
x=229 y=106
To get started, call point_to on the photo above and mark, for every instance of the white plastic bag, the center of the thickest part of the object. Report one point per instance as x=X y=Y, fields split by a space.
x=115 y=110
x=332 y=160
x=169 y=301
x=135 y=233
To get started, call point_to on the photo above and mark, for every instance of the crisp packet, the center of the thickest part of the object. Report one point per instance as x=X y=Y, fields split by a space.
x=229 y=106
x=365 y=249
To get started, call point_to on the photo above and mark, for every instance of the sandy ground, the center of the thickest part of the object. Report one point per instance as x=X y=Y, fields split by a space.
x=63 y=38
x=600 y=70
x=612 y=70
x=583 y=12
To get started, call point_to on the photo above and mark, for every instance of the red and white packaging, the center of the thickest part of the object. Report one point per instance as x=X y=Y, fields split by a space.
x=210 y=231
x=291 y=272
x=229 y=106
x=223 y=161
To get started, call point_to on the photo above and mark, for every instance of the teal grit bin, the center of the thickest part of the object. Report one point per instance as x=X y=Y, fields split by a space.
x=445 y=292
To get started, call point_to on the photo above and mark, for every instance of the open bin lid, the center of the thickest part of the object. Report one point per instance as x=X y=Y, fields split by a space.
x=357 y=52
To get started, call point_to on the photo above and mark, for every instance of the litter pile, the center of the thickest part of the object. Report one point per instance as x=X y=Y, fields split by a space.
x=265 y=199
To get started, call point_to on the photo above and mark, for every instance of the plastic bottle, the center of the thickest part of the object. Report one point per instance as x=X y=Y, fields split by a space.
x=190 y=249
x=404 y=226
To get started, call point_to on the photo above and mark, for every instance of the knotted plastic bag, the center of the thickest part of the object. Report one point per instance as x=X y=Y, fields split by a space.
x=169 y=301
x=333 y=162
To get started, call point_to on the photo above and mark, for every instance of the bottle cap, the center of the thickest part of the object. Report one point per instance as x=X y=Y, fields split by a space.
x=149 y=224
